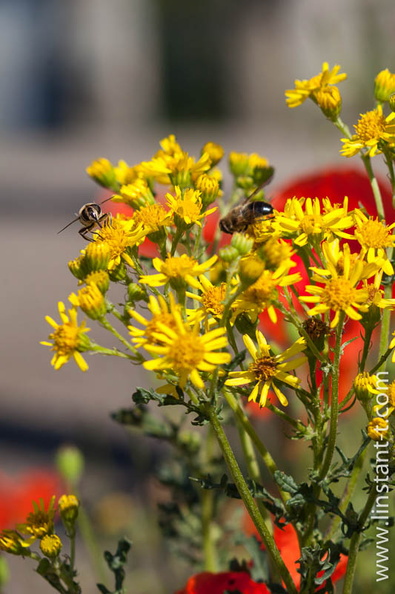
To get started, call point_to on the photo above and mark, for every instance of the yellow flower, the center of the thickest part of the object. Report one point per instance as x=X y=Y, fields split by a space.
x=127 y=174
x=243 y=164
x=91 y=300
x=51 y=545
x=120 y=235
x=384 y=85
x=178 y=270
x=211 y=299
x=136 y=194
x=373 y=132
x=186 y=353
x=340 y=278
x=69 y=339
x=153 y=217
x=214 y=151
x=307 y=88
x=96 y=256
x=100 y=278
x=162 y=313
x=13 y=543
x=68 y=506
x=266 y=369
x=364 y=382
x=329 y=100
x=377 y=429
x=277 y=254
x=187 y=207
x=374 y=237
x=208 y=185
x=310 y=221
x=40 y=521
x=263 y=294
x=102 y=171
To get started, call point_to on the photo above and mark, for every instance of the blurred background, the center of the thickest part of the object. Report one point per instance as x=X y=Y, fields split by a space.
x=90 y=78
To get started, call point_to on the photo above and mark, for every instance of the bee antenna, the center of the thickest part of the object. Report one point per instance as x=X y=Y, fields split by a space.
x=107 y=199
x=68 y=225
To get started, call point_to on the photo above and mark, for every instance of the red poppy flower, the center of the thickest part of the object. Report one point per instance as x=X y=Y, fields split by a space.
x=287 y=542
x=218 y=583
x=17 y=494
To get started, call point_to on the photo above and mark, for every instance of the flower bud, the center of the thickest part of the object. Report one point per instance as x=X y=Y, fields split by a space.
x=250 y=269
x=97 y=256
x=68 y=508
x=102 y=172
x=329 y=100
x=136 y=293
x=136 y=194
x=238 y=163
x=208 y=185
x=91 y=300
x=391 y=102
x=364 y=385
x=78 y=267
x=242 y=243
x=377 y=429
x=228 y=254
x=214 y=151
x=100 y=278
x=384 y=85
x=51 y=545
x=70 y=463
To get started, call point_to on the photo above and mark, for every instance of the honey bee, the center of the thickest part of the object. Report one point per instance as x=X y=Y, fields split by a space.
x=90 y=216
x=245 y=214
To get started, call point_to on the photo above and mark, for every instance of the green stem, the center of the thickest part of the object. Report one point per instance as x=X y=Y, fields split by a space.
x=249 y=502
x=334 y=400
x=355 y=540
x=375 y=186
x=91 y=543
x=210 y=555
x=106 y=324
x=385 y=323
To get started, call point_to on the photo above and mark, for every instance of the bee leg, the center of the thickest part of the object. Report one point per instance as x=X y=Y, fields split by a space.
x=83 y=232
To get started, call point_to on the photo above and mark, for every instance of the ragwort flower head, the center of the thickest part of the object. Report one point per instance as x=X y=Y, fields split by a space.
x=311 y=87
x=161 y=313
x=185 y=352
x=375 y=237
x=267 y=369
x=187 y=207
x=384 y=85
x=136 y=194
x=120 y=235
x=69 y=339
x=153 y=218
x=263 y=294
x=374 y=133
x=178 y=271
x=211 y=300
x=339 y=292
x=40 y=521
x=12 y=542
x=310 y=221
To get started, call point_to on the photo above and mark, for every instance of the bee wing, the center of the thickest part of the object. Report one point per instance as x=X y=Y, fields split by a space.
x=261 y=185
x=68 y=224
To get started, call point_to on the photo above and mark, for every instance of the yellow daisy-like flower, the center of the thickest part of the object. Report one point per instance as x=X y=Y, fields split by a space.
x=120 y=235
x=266 y=369
x=136 y=194
x=263 y=294
x=329 y=100
x=215 y=152
x=311 y=221
x=68 y=338
x=12 y=542
x=384 y=85
x=339 y=292
x=277 y=255
x=40 y=521
x=153 y=218
x=187 y=206
x=187 y=353
x=178 y=271
x=373 y=131
x=374 y=237
x=162 y=313
x=127 y=174
x=308 y=87
x=178 y=169
x=211 y=299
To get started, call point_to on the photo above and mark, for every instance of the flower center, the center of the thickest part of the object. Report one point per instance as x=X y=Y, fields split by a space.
x=152 y=216
x=178 y=267
x=164 y=318
x=339 y=293
x=261 y=291
x=311 y=224
x=373 y=234
x=264 y=368
x=186 y=352
x=212 y=299
x=370 y=126
x=66 y=339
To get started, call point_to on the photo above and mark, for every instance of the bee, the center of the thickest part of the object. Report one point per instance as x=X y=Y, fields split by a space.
x=245 y=214
x=90 y=216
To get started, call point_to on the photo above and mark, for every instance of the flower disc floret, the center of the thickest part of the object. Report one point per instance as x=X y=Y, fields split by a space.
x=267 y=370
x=372 y=132
x=68 y=338
x=120 y=235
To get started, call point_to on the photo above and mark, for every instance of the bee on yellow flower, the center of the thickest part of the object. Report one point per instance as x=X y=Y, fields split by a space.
x=267 y=371
x=120 y=235
x=310 y=221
